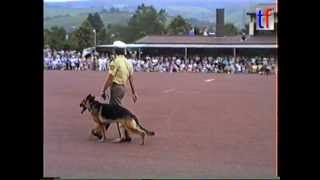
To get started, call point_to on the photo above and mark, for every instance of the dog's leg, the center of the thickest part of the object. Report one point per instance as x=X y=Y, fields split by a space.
x=107 y=126
x=96 y=132
x=118 y=129
x=132 y=126
x=103 y=132
x=103 y=138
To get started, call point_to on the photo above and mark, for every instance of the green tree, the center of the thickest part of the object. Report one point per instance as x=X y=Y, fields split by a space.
x=119 y=32
x=245 y=29
x=95 y=21
x=196 y=30
x=102 y=37
x=178 y=26
x=145 y=21
x=55 y=37
x=73 y=41
x=230 y=29
x=84 y=36
x=46 y=37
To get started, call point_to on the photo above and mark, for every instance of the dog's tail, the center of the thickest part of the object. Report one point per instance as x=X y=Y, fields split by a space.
x=149 y=133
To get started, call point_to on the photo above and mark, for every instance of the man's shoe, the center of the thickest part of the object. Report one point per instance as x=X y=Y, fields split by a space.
x=127 y=139
x=121 y=140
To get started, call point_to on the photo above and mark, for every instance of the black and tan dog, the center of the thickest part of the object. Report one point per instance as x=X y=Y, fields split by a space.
x=104 y=114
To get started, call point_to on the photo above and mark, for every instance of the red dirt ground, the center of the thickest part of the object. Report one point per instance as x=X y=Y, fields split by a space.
x=222 y=128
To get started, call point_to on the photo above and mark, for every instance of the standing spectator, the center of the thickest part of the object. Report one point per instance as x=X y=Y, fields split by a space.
x=237 y=67
x=100 y=60
x=254 y=68
x=190 y=65
x=182 y=66
x=139 y=65
x=167 y=65
x=93 y=63
x=77 y=63
x=208 y=66
x=154 y=63
x=259 y=68
x=73 y=62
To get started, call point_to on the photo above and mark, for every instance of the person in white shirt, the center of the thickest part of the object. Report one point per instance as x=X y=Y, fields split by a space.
x=73 y=62
x=105 y=63
x=253 y=61
x=259 y=67
x=197 y=58
x=209 y=66
x=55 y=64
x=139 y=65
x=182 y=66
x=212 y=69
x=59 y=64
x=81 y=64
x=243 y=68
x=254 y=68
x=77 y=63
x=195 y=67
x=130 y=59
x=146 y=66
x=100 y=61
x=238 y=68
x=167 y=66
x=154 y=63
x=134 y=62
x=178 y=61
x=190 y=65
x=203 y=66
x=160 y=68
x=232 y=68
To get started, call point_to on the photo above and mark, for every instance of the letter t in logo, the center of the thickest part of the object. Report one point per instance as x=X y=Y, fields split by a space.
x=259 y=14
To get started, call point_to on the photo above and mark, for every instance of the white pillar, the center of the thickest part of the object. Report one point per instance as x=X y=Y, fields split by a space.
x=185 y=53
x=139 y=53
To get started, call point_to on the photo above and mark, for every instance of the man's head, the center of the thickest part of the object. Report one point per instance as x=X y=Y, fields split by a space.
x=119 y=51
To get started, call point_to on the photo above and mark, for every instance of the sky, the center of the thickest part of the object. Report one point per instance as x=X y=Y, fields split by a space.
x=61 y=0
x=120 y=0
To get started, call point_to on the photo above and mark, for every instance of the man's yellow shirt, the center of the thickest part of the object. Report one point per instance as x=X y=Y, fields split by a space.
x=120 y=69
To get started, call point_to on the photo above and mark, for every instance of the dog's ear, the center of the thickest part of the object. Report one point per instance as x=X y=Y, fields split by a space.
x=88 y=97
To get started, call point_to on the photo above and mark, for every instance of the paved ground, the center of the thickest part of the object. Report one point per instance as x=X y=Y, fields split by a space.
x=206 y=125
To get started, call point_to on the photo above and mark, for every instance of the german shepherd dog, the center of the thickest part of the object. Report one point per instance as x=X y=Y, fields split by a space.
x=103 y=114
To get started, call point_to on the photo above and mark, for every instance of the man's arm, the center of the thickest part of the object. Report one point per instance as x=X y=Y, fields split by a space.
x=109 y=78
x=107 y=84
x=134 y=96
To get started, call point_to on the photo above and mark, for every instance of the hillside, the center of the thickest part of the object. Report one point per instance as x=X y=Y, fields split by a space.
x=68 y=21
x=70 y=14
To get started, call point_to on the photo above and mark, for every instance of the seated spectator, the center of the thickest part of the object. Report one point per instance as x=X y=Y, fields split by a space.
x=259 y=68
x=195 y=67
x=71 y=60
x=254 y=68
x=238 y=68
x=182 y=66
x=189 y=65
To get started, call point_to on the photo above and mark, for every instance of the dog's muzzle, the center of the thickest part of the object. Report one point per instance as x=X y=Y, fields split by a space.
x=83 y=108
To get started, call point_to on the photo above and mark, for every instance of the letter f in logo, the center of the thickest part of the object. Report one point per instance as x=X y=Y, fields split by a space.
x=267 y=14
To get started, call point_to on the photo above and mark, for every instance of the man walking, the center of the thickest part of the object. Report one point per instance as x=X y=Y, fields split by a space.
x=120 y=72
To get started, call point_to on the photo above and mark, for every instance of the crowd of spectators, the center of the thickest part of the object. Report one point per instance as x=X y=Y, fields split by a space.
x=71 y=60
